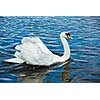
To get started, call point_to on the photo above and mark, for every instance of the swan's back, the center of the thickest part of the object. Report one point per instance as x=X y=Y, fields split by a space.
x=33 y=51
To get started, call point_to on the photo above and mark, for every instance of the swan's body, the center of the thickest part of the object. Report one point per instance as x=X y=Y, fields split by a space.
x=34 y=52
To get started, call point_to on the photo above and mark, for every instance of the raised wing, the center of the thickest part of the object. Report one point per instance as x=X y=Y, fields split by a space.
x=34 y=51
x=36 y=41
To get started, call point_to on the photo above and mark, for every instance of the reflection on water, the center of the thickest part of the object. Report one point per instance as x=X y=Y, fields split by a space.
x=38 y=74
x=65 y=74
x=85 y=48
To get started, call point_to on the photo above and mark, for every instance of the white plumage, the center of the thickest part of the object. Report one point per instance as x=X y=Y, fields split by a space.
x=34 y=52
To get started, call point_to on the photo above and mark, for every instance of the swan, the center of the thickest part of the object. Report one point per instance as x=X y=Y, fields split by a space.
x=33 y=51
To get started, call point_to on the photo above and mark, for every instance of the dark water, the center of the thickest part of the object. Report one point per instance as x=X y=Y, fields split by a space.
x=84 y=65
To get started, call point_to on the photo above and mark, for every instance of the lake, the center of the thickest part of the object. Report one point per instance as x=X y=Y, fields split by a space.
x=84 y=65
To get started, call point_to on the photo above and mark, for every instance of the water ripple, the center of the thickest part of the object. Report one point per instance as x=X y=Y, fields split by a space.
x=85 y=48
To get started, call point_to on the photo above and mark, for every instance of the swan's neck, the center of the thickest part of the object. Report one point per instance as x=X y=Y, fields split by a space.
x=66 y=49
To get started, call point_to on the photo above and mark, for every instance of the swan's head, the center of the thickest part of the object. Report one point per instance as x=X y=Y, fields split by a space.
x=66 y=35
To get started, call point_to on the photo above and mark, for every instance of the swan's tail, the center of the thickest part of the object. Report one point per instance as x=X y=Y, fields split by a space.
x=15 y=60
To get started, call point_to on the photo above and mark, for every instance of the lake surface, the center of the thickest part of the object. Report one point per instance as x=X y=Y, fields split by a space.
x=84 y=65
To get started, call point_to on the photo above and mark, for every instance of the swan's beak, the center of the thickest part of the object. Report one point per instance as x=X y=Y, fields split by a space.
x=70 y=37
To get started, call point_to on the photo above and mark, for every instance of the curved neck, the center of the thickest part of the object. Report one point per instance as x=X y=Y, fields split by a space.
x=66 y=49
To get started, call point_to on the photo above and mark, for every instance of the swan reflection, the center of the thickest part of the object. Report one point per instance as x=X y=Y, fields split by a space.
x=39 y=75
x=65 y=74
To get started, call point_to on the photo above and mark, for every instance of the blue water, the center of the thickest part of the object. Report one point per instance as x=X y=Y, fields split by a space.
x=84 y=65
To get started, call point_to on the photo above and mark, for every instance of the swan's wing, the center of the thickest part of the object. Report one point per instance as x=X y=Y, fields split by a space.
x=32 y=51
x=36 y=41
x=35 y=52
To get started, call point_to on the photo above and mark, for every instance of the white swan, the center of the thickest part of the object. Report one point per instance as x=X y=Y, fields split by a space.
x=33 y=51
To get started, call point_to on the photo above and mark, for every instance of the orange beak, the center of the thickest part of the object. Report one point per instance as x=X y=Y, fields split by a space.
x=70 y=37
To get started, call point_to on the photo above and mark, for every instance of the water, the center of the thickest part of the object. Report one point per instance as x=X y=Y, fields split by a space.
x=84 y=65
